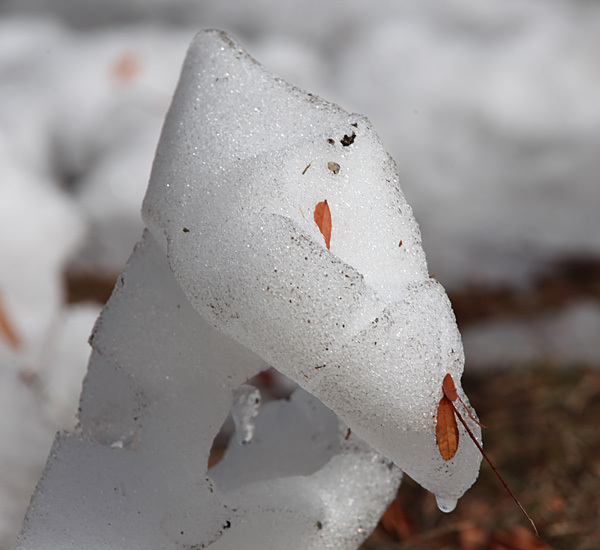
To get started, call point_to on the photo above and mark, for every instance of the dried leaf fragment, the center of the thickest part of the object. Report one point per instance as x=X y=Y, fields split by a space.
x=446 y=430
x=126 y=68
x=323 y=221
x=449 y=388
x=7 y=330
x=450 y=392
x=334 y=167
x=398 y=522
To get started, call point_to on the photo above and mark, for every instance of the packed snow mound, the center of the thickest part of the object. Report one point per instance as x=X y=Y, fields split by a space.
x=243 y=161
x=161 y=381
x=277 y=236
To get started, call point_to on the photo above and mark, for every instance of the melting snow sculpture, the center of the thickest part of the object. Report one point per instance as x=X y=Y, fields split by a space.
x=232 y=261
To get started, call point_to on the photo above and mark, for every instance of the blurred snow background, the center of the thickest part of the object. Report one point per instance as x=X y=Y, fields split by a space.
x=489 y=108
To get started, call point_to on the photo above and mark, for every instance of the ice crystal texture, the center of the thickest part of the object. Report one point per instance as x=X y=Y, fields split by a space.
x=232 y=276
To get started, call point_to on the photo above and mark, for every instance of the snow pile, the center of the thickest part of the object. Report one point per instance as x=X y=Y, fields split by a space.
x=231 y=199
x=567 y=336
x=160 y=383
x=32 y=290
x=234 y=261
x=93 y=131
x=105 y=152
x=43 y=347
x=488 y=107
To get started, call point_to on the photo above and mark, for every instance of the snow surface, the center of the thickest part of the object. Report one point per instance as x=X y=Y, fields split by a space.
x=489 y=109
x=244 y=410
x=39 y=396
x=160 y=383
x=225 y=202
x=41 y=371
x=361 y=326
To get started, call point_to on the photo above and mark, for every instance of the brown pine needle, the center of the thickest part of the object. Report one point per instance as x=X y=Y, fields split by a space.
x=493 y=468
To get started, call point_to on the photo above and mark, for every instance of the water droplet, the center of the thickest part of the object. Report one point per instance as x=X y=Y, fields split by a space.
x=446 y=504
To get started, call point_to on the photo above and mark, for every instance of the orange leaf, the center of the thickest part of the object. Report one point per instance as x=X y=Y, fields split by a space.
x=446 y=430
x=126 y=68
x=449 y=388
x=473 y=537
x=323 y=220
x=450 y=392
x=7 y=329
x=396 y=521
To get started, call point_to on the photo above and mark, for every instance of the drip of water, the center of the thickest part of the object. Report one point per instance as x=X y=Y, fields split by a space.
x=446 y=505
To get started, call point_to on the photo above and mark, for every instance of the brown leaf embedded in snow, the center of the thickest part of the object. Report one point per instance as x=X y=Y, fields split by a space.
x=323 y=220
x=446 y=430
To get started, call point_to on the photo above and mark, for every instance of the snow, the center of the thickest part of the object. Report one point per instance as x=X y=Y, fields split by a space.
x=225 y=203
x=105 y=150
x=32 y=290
x=279 y=447
x=39 y=395
x=245 y=407
x=567 y=336
x=362 y=327
x=160 y=383
x=489 y=109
